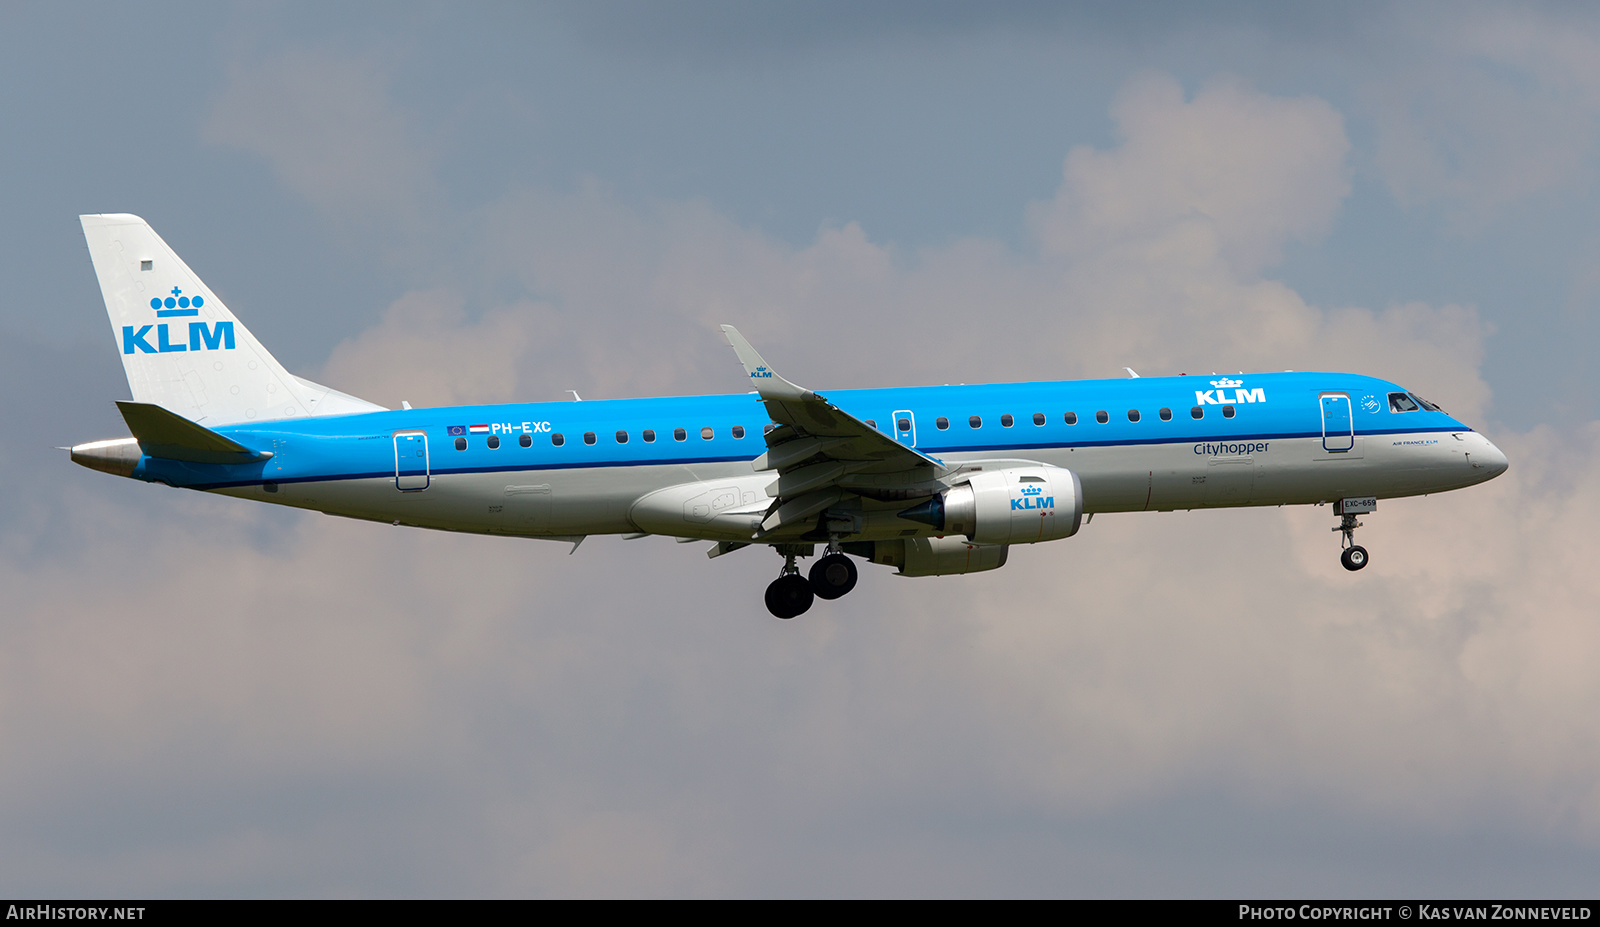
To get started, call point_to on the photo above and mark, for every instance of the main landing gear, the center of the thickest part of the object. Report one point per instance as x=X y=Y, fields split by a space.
x=1354 y=556
x=792 y=594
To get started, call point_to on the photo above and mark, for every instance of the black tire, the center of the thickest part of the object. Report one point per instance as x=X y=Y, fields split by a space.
x=1354 y=558
x=833 y=576
x=789 y=596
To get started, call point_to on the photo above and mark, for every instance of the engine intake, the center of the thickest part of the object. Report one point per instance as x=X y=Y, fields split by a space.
x=1020 y=505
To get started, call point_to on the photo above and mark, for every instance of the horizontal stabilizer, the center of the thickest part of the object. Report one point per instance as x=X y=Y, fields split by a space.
x=166 y=434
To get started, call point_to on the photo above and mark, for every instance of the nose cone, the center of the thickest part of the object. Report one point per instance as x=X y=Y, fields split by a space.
x=1490 y=459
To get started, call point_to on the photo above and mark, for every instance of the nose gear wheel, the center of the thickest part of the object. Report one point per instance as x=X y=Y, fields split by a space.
x=1354 y=556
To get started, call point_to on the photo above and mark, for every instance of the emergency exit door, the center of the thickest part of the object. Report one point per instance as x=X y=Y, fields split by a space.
x=905 y=428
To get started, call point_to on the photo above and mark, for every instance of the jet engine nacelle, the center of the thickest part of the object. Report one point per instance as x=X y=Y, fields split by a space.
x=946 y=556
x=1019 y=505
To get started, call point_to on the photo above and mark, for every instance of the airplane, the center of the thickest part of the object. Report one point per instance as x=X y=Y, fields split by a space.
x=929 y=480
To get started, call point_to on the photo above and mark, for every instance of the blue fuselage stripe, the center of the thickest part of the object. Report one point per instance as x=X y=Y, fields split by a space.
x=354 y=447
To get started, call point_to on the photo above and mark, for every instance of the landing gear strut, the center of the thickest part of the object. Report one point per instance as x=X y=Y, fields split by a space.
x=1354 y=556
x=789 y=595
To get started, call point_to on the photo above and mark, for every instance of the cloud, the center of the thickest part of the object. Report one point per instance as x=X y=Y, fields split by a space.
x=328 y=129
x=1243 y=170
x=1494 y=108
x=424 y=351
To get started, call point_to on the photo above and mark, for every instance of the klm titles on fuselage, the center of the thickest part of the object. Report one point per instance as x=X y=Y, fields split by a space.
x=1219 y=396
x=200 y=336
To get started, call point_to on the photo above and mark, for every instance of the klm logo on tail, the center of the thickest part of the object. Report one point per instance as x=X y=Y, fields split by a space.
x=176 y=305
x=201 y=337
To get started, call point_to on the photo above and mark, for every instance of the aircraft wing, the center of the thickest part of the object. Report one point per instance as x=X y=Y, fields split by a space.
x=816 y=444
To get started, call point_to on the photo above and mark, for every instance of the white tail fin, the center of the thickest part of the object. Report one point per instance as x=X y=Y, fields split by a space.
x=181 y=347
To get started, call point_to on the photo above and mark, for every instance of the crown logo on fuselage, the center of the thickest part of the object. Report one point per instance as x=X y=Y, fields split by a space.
x=176 y=304
x=1226 y=383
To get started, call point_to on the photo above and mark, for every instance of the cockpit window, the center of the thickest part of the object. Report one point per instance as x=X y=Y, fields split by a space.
x=1425 y=403
x=1400 y=402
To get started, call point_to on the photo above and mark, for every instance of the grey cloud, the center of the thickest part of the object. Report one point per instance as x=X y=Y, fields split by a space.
x=325 y=124
x=1501 y=107
x=721 y=31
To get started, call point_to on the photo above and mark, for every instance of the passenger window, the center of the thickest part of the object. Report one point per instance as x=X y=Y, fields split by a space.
x=558 y=439
x=1102 y=417
x=494 y=442
x=622 y=437
x=767 y=428
x=1133 y=415
x=904 y=424
x=1038 y=418
x=525 y=439
x=678 y=434
x=1006 y=421
x=1197 y=412
x=975 y=422
x=1166 y=415
x=1071 y=418
x=1400 y=402
x=706 y=433
x=941 y=423
x=461 y=444
x=588 y=437
x=648 y=435
x=1227 y=411
x=738 y=431
x=873 y=422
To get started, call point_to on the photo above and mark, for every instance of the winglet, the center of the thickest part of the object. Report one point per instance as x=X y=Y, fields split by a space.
x=767 y=383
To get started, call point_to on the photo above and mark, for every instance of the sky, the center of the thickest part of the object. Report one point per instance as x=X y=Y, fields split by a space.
x=202 y=696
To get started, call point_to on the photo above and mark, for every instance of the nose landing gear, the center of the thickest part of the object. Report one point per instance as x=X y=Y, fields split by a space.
x=1354 y=556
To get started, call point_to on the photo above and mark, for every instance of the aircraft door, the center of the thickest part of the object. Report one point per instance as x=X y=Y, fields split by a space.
x=1338 y=429
x=410 y=461
x=905 y=428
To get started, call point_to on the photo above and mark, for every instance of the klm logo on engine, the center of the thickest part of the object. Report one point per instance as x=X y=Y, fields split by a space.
x=1033 y=497
x=198 y=337
x=1220 y=395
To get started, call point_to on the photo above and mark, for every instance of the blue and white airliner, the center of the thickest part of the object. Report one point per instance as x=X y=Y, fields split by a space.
x=930 y=480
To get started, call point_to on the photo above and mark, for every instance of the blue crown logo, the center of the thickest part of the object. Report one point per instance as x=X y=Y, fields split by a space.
x=1032 y=490
x=760 y=372
x=176 y=305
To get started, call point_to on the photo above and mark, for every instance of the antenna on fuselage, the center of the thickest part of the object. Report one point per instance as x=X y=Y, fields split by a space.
x=575 y=398
x=1131 y=372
